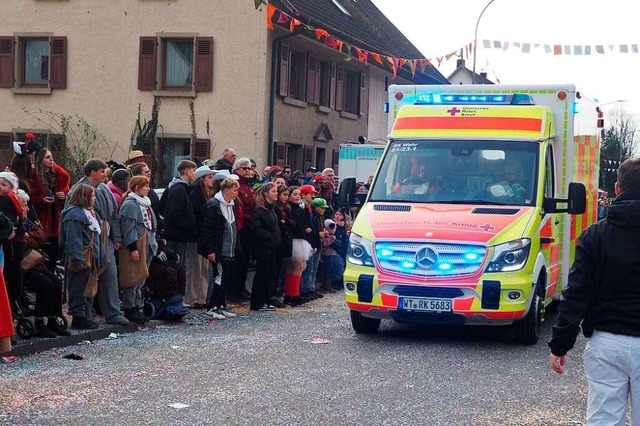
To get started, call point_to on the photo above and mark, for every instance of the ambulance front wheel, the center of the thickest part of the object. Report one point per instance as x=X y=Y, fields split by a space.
x=364 y=325
x=527 y=330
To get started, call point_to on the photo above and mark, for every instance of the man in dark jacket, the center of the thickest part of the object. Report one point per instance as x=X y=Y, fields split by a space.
x=179 y=218
x=227 y=160
x=603 y=293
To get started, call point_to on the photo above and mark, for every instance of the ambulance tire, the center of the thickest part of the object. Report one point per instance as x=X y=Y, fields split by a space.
x=528 y=330
x=364 y=325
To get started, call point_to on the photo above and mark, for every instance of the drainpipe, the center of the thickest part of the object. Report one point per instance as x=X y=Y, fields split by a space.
x=275 y=55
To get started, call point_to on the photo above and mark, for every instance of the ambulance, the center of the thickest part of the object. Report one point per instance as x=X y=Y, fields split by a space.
x=475 y=208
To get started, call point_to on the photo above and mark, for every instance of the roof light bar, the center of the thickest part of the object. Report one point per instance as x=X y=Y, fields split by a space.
x=470 y=99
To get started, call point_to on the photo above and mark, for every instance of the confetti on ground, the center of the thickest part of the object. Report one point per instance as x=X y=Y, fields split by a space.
x=318 y=341
x=112 y=336
x=74 y=357
x=9 y=359
x=179 y=405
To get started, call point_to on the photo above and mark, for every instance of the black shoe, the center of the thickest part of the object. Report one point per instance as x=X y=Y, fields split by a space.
x=318 y=295
x=58 y=327
x=134 y=316
x=198 y=306
x=81 y=323
x=267 y=307
x=140 y=310
x=44 y=331
x=245 y=295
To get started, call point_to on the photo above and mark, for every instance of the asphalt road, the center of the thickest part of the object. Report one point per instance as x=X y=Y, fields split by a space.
x=270 y=369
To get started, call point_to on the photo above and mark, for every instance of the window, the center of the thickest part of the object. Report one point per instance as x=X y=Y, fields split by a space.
x=172 y=150
x=41 y=62
x=186 y=64
x=327 y=84
x=350 y=91
x=178 y=64
x=293 y=78
x=549 y=175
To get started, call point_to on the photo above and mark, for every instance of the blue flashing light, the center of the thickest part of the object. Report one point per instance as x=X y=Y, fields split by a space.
x=576 y=107
x=444 y=266
x=385 y=253
x=471 y=99
x=471 y=256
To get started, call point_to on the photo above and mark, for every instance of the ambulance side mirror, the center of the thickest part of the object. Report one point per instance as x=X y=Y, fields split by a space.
x=575 y=204
x=347 y=191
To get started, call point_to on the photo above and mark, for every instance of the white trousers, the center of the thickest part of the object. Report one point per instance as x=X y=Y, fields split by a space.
x=612 y=367
x=197 y=274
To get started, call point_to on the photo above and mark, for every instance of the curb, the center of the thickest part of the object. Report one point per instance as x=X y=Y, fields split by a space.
x=42 y=345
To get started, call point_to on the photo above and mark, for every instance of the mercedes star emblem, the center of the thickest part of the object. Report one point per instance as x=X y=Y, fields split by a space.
x=426 y=257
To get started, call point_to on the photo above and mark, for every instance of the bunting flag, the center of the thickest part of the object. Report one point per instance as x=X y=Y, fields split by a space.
x=271 y=10
x=559 y=49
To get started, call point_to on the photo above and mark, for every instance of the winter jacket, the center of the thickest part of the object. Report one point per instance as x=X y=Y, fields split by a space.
x=264 y=228
x=116 y=191
x=604 y=281
x=199 y=202
x=247 y=203
x=179 y=216
x=75 y=235
x=300 y=219
x=215 y=229
x=49 y=214
x=286 y=225
x=105 y=206
x=132 y=226
x=223 y=164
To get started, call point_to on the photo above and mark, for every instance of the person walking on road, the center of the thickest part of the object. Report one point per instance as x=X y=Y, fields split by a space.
x=603 y=295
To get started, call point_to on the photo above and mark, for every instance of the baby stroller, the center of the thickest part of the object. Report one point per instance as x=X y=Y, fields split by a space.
x=164 y=288
x=24 y=309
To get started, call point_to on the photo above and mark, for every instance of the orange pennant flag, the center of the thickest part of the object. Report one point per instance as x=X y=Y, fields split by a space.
x=339 y=45
x=376 y=56
x=402 y=62
x=361 y=56
x=394 y=65
x=294 y=23
x=320 y=33
x=271 y=10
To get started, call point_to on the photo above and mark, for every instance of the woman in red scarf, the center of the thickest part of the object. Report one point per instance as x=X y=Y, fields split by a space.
x=48 y=185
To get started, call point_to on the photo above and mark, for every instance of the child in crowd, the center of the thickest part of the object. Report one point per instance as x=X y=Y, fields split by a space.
x=80 y=236
x=332 y=265
x=343 y=227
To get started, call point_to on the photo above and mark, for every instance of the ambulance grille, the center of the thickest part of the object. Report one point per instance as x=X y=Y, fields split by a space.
x=489 y=210
x=431 y=259
x=391 y=208
x=420 y=291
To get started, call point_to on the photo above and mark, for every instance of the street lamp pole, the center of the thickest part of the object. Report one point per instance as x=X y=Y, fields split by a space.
x=475 y=43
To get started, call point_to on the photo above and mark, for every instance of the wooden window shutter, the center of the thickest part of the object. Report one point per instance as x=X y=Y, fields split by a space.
x=313 y=80
x=280 y=153
x=204 y=64
x=307 y=158
x=58 y=65
x=335 y=157
x=362 y=103
x=6 y=148
x=284 y=70
x=332 y=86
x=147 y=63
x=202 y=149
x=6 y=62
x=339 y=88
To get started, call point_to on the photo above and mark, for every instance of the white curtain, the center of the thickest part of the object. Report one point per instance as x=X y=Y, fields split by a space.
x=179 y=66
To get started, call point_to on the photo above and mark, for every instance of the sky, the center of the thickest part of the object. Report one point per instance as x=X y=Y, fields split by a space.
x=440 y=27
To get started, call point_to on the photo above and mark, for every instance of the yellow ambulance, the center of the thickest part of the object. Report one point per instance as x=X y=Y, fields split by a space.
x=476 y=206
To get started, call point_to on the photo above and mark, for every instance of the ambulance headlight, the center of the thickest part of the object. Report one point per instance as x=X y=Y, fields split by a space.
x=360 y=251
x=511 y=256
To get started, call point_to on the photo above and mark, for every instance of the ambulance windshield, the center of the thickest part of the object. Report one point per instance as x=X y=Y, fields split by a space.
x=458 y=172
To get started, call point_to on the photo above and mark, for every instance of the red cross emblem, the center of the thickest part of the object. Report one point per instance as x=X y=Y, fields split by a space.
x=487 y=227
x=453 y=111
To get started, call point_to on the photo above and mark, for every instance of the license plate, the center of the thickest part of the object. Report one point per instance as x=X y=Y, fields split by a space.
x=425 y=305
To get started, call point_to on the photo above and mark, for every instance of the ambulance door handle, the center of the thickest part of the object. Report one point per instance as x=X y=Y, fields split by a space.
x=557 y=222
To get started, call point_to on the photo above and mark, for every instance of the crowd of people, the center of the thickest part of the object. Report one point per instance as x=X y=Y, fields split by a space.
x=92 y=244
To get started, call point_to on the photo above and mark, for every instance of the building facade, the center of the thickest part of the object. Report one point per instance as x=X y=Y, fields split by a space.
x=210 y=65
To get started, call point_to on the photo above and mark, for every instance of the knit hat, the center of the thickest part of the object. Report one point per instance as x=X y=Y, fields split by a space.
x=119 y=178
x=296 y=174
x=11 y=178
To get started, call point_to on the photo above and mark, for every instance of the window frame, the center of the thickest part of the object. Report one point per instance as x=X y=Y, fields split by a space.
x=301 y=75
x=163 y=59
x=21 y=62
